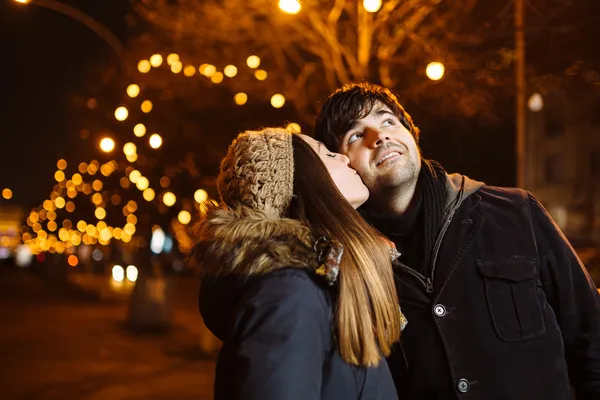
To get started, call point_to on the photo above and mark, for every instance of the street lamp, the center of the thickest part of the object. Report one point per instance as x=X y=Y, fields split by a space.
x=290 y=6
x=372 y=6
x=107 y=145
x=85 y=19
x=435 y=71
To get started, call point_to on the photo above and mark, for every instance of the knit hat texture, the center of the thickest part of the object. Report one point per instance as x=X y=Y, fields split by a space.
x=258 y=171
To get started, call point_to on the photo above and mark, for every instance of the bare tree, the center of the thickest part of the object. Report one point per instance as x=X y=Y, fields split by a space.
x=329 y=43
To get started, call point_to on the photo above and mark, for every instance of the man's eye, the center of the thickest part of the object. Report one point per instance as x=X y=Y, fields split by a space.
x=389 y=122
x=354 y=137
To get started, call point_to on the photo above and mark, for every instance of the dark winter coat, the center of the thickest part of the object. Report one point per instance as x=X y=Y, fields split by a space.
x=507 y=301
x=261 y=297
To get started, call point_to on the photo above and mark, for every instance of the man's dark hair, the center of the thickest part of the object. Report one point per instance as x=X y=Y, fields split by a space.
x=352 y=102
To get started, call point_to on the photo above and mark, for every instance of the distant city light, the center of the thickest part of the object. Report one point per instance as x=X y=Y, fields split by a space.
x=184 y=217
x=254 y=61
x=230 y=71
x=139 y=130
x=156 y=60
x=290 y=6
x=107 y=145
x=435 y=71
x=132 y=273
x=277 y=100
x=240 y=98
x=118 y=273
x=169 y=199
x=121 y=114
x=155 y=141
x=144 y=66
x=133 y=90
x=372 y=5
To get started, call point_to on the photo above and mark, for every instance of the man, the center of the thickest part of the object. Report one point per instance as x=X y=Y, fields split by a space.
x=498 y=304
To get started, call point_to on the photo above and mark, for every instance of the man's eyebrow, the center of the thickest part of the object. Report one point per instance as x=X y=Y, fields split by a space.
x=384 y=111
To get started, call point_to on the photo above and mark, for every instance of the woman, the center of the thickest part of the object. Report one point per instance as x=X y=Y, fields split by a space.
x=297 y=286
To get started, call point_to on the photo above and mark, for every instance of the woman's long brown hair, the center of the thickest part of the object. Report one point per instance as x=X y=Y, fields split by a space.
x=367 y=316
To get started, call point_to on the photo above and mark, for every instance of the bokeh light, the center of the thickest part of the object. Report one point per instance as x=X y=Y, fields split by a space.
x=253 y=61
x=240 y=98
x=277 y=100
x=139 y=130
x=133 y=90
x=155 y=141
x=144 y=66
x=107 y=145
x=169 y=199
x=184 y=217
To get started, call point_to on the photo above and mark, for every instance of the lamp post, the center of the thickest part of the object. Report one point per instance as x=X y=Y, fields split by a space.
x=521 y=127
x=85 y=19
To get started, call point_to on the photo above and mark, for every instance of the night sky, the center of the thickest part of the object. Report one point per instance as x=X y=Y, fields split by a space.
x=45 y=56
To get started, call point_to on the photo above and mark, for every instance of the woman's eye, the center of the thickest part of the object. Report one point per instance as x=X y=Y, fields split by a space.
x=330 y=155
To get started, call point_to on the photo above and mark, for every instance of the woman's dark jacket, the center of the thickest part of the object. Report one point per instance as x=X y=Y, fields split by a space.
x=261 y=297
x=507 y=302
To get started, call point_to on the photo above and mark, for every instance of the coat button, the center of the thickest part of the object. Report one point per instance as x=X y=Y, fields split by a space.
x=439 y=310
x=462 y=385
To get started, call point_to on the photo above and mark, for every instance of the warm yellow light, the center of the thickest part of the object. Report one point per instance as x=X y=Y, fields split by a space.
x=290 y=6
x=7 y=193
x=171 y=58
x=294 y=127
x=132 y=273
x=148 y=194
x=132 y=219
x=176 y=67
x=129 y=229
x=118 y=273
x=97 y=185
x=23 y=1
x=121 y=113
x=132 y=205
x=59 y=176
x=139 y=130
x=165 y=182
x=217 y=77
x=144 y=66
x=70 y=206
x=156 y=60
x=240 y=98
x=207 y=70
x=184 y=217
x=260 y=74
x=277 y=100
x=82 y=167
x=200 y=195
x=435 y=71
x=97 y=199
x=59 y=202
x=169 y=199
x=81 y=226
x=52 y=226
x=146 y=106
x=134 y=176
x=133 y=90
x=142 y=183
x=155 y=141
x=189 y=70
x=254 y=61
x=100 y=213
x=73 y=260
x=77 y=179
x=132 y=157
x=372 y=5
x=230 y=71
x=61 y=164
x=129 y=148
x=107 y=144
x=52 y=214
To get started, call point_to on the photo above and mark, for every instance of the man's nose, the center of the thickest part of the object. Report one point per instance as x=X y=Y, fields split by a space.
x=376 y=137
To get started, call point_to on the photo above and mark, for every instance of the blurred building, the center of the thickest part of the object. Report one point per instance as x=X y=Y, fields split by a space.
x=564 y=161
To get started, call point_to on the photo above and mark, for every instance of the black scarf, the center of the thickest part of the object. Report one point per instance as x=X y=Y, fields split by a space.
x=423 y=218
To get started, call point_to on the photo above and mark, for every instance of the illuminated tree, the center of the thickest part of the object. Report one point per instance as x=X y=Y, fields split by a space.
x=316 y=46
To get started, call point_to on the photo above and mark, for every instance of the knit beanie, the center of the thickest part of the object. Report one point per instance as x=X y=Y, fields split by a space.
x=258 y=171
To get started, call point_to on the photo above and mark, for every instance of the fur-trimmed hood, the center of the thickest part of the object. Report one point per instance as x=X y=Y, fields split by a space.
x=244 y=242
x=236 y=245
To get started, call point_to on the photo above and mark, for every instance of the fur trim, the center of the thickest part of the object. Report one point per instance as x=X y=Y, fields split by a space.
x=245 y=241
